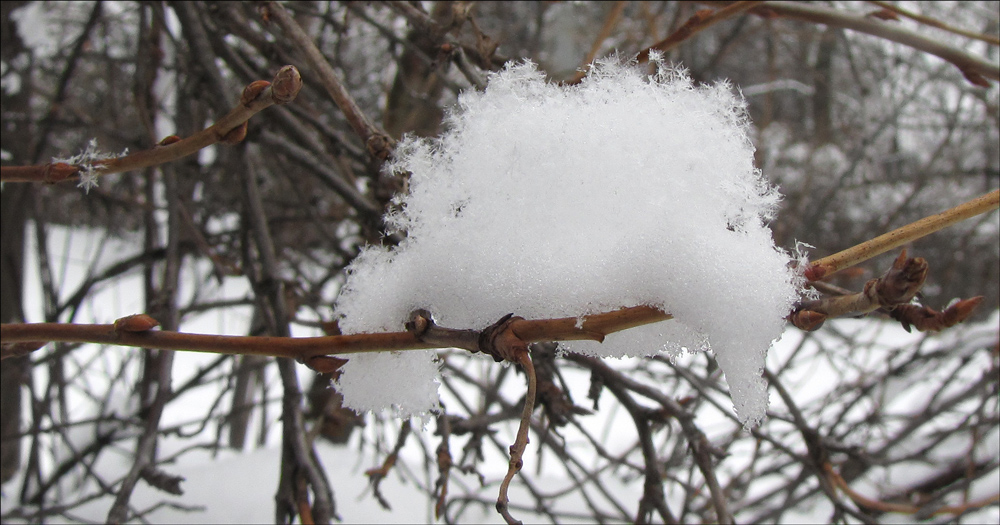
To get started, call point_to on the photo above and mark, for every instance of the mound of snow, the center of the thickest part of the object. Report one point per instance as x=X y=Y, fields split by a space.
x=552 y=201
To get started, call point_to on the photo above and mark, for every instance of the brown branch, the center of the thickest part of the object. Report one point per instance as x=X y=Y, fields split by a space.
x=868 y=503
x=899 y=285
x=830 y=264
x=256 y=97
x=378 y=143
x=933 y=22
x=523 y=358
x=593 y=327
x=700 y=21
x=609 y=25
x=891 y=293
x=376 y=475
x=973 y=67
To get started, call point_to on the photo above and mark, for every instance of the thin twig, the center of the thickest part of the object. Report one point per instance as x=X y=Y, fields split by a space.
x=833 y=263
x=933 y=22
x=609 y=25
x=969 y=64
x=521 y=441
x=257 y=97
x=838 y=481
x=700 y=21
x=376 y=140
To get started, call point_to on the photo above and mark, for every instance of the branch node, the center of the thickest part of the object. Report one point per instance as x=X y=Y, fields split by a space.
x=500 y=342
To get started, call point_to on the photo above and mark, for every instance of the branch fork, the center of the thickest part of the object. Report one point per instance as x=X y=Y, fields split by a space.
x=891 y=293
x=502 y=343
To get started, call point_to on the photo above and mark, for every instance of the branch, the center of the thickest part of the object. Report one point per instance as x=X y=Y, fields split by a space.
x=882 y=506
x=377 y=141
x=376 y=475
x=933 y=22
x=900 y=236
x=522 y=358
x=973 y=67
x=701 y=20
x=594 y=327
x=230 y=129
x=891 y=293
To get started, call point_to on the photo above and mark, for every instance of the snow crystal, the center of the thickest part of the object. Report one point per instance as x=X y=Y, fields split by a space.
x=554 y=201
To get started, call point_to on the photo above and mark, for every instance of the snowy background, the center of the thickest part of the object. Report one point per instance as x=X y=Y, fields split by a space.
x=656 y=183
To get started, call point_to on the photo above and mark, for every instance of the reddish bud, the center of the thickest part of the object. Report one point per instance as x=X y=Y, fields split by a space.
x=286 y=86
x=816 y=272
x=136 y=323
x=325 y=364
x=235 y=135
x=252 y=90
x=59 y=172
x=20 y=349
x=807 y=320
x=169 y=140
x=975 y=78
x=884 y=14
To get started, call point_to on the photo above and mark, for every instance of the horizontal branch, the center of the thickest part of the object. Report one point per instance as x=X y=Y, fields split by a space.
x=15 y=337
x=256 y=97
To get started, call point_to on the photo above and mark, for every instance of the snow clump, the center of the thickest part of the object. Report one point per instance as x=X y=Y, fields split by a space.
x=561 y=201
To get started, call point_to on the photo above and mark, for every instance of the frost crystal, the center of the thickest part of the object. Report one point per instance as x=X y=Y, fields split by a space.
x=551 y=201
x=85 y=160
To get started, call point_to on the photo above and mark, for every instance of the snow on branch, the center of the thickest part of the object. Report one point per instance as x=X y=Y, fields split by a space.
x=554 y=201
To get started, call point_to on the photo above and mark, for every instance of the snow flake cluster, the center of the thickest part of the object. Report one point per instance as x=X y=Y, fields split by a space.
x=86 y=161
x=560 y=201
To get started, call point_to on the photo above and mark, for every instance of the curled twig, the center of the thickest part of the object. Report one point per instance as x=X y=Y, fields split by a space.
x=521 y=441
x=376 y=475
x=862 y=501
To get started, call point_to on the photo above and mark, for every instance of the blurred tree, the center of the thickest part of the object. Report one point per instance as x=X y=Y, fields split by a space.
x=862 y=133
